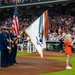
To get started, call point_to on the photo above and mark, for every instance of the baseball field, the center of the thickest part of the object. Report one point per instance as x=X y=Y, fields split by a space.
x=53 y=63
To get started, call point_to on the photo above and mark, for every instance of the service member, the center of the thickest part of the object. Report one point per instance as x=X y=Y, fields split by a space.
x=4 y=47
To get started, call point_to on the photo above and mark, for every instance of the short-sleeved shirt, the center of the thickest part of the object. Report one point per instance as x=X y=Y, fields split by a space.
x=68 y=47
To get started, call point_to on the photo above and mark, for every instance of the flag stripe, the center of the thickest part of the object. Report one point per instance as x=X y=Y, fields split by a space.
x=16 y=26
x=40 y=23
x=46 y=24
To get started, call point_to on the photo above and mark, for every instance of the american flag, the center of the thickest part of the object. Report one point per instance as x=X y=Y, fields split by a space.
x=15 y=24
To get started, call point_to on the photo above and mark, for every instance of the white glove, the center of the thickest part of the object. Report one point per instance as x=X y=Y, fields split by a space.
x=10 y=40
x=8 y=47
x=19 y=36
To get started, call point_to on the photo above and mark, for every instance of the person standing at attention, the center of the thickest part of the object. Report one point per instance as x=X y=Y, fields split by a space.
x=68 y=43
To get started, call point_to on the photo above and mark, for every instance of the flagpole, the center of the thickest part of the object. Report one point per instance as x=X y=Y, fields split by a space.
x=16 y=2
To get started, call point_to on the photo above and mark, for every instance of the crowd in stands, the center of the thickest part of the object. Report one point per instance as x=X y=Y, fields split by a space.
x=59 y=26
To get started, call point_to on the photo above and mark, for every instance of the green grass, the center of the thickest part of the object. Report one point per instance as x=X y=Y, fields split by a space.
x=64 y=72
x=23 y=54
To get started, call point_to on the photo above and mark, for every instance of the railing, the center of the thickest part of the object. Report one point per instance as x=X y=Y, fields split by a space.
x=23 y=1
x=10 y=3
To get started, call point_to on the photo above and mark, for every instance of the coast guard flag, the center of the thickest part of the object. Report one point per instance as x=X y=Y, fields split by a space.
x=36 y=32
x=15 y=24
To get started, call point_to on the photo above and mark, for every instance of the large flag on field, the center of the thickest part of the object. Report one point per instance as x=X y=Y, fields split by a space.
x=36 y=32
x=15 y=24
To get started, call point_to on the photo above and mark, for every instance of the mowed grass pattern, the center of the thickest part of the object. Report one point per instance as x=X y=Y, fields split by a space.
x=65 y=72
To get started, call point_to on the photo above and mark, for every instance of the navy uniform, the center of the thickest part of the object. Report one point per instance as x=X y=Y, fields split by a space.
x=14 y=50
x=13 y=47
x=9 y=60
x=11 y=54
x=3 y=48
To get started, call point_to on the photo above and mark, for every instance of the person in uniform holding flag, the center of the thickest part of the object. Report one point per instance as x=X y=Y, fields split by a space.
x=14 y=50
x=4 y=48
x=9 y=44
x=13 y=47
x=15 y=28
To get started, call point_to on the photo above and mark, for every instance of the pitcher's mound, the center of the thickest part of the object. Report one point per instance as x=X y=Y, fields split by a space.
x=33 y=66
